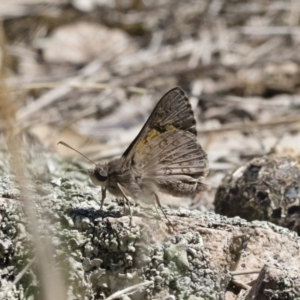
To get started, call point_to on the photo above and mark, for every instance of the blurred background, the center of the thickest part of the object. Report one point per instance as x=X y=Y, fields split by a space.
x=89 y=72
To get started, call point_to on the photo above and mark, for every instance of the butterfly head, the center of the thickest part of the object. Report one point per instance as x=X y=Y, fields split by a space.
x=99 y=174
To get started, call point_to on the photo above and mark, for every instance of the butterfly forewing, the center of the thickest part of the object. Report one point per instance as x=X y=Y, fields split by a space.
x=172 y=112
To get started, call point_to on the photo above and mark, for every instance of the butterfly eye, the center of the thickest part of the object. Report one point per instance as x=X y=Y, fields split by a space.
x=101 y=175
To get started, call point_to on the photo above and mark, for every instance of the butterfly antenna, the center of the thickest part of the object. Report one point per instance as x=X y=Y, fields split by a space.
x=68 y=146
x=71 y=170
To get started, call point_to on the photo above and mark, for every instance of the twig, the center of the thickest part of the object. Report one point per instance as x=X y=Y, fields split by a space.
x=241 y=284
x=128 y=290
x=17 y=279
x=63 y=90
x=241 y=126
x=77 y=84
x=55 y=94
x=243 y=272
x=57 y=84
x=274 y=30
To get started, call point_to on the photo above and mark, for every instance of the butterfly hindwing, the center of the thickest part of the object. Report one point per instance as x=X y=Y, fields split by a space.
x=174 y=161
x=172 y=153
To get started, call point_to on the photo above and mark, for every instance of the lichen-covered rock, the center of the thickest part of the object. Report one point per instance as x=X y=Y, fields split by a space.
x=100 y=252
x=266 y=188
x=275 y=282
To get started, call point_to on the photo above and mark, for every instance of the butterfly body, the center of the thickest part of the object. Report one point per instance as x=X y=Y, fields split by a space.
x=165 y=157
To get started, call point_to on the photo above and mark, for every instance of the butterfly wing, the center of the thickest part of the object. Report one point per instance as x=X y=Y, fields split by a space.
x=172 y=112
x=174 y=161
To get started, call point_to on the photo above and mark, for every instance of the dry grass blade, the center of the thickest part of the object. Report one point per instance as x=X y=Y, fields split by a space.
x=51 y=280
x=129 y=290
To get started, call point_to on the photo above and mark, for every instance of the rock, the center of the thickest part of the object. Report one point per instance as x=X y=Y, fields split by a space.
x=82 y=42
x=275 y=282
x=266 y=188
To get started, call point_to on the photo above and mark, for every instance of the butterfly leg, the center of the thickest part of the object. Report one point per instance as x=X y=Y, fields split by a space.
x=103 y=194
x=126 y=200
x=158 y=203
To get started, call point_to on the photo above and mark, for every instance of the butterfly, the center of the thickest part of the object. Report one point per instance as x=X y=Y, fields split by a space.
x=164 y=158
